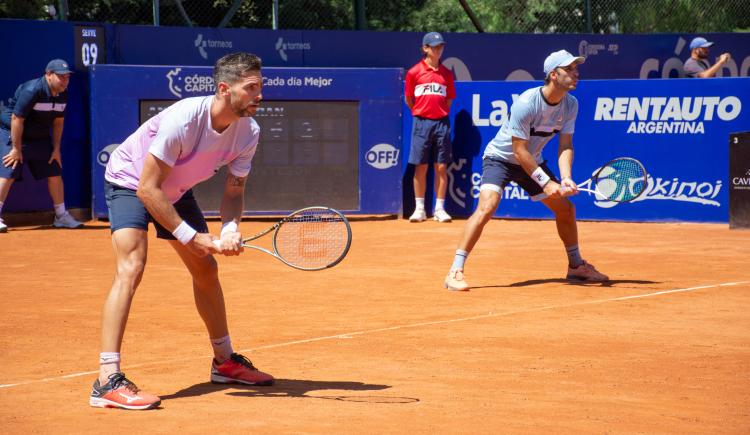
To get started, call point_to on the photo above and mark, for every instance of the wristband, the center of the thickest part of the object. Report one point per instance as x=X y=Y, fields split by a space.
x=228 y=227
x=184 y=233
x=540 y=176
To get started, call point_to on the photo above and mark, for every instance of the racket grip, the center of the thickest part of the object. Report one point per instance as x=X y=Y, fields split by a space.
x=217 y=243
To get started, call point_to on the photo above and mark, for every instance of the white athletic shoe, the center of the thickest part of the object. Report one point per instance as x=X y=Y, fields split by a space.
x=419 y=215
x=3 y=227
x=66 y=221
x=455 y=281
x=441 y=216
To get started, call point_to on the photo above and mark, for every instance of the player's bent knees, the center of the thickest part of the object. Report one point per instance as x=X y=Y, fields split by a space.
x=205 y=269
x=130 y=270
x=564 y=209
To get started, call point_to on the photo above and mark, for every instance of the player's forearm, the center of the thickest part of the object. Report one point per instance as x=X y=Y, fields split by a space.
x=233 y=201
x=524 y=157
x=565 y=163
x=159 y=206
x=231 y=208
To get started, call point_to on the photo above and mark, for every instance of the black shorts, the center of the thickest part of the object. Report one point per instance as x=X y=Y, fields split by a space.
x=127 y=211
x=35 y=156
x=496 y=174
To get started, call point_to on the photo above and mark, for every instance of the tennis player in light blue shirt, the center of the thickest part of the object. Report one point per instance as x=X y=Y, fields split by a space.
x=515 y=154
x=536 y=121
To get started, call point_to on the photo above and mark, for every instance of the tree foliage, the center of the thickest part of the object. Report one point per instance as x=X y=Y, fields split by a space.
x=498 y=16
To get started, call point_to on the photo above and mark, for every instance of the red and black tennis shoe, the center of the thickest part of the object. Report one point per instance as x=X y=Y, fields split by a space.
x=238 y=369
x=120 y=392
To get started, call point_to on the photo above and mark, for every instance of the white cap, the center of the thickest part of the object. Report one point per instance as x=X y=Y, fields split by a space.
x=560 y=58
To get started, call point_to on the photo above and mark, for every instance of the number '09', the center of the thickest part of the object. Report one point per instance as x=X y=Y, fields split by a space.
x=89 y=53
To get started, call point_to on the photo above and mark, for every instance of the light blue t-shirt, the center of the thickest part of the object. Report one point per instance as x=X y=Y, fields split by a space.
x=533 y=119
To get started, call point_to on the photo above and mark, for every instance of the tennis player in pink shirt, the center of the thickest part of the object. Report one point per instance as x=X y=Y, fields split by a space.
x=149 y=179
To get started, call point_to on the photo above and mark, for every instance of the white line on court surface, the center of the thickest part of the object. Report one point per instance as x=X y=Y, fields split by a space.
x=393 y=328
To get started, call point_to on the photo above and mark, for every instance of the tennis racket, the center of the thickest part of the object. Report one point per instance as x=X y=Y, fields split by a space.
x=620 y=180
x=312 y=238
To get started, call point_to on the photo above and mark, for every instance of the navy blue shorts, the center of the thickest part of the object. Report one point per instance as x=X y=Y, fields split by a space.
x=430 y=141
x=496 y=174
x=34 y=156
x=127 y=211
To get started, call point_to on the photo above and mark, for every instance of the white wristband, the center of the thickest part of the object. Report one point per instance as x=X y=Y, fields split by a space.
x=228 y=227
x=540 y=176
x=184 y=233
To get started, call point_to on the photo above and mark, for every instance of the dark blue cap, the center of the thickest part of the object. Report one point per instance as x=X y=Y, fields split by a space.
x=58 y=66
x=432 y=39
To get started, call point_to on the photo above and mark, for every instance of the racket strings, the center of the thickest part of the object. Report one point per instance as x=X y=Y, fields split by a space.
x=621 y=180
x=312 y=239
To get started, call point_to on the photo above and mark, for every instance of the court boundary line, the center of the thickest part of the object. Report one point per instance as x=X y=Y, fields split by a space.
x=397 y=327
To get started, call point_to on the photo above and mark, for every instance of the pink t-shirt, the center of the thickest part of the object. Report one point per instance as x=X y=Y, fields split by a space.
x=182 y=137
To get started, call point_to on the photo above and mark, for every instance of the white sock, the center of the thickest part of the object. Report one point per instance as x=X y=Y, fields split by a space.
x=60 y=209
x=440 y=204
x=110 y=362
x=420 y=203
x=222 y=348
x=1 y=206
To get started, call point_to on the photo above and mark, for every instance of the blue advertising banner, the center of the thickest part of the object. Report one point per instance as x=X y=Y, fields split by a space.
x=331 y=136
x=471 y=56
x=678 y=128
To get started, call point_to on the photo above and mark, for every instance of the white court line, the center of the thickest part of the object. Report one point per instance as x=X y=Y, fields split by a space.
x=394 y=328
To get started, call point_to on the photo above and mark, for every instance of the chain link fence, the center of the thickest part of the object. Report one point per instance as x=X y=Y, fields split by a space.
x=497 y=16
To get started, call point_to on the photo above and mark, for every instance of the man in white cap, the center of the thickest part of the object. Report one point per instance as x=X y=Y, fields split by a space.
x=515 y=154
x=698 y=66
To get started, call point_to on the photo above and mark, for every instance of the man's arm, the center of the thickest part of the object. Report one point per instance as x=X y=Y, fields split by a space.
x=409 y=102
x=528 y=163
x=565 y=162
x=15 y=156
x=232 y=204
x=158 y=205
x=57 y=131
x=711 y=72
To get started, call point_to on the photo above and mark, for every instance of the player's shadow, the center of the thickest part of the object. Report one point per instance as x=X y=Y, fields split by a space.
x=53 y=228
x=294 y=388
x=610 y=283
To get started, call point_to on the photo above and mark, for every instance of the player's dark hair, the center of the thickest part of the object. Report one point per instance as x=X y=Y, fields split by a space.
x=234 y=66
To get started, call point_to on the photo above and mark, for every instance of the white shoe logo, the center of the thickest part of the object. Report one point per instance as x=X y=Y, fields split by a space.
x=130 y=399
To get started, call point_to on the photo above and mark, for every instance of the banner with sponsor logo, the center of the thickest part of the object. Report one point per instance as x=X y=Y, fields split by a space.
x=677 y=128
x=470 y=56
x=328 y=137
x=739 y=180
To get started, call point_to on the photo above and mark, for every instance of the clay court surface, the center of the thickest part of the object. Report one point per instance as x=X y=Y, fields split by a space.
x=376 y=345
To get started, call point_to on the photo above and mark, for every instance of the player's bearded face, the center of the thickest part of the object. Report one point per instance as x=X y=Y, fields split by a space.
x=703 y=53
x=245 y=96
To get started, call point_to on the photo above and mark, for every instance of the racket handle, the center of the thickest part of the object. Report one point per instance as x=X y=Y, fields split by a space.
x=217 y=243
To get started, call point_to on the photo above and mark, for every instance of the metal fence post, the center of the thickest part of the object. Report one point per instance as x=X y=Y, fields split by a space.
x=156 y=12
x=360 y=22
x=275 y=15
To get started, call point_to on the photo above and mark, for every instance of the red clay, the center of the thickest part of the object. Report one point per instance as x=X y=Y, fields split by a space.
x=376 y=345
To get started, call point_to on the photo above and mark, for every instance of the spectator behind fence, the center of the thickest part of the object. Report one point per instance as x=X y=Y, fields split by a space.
x=31 y=128
x=698 y=66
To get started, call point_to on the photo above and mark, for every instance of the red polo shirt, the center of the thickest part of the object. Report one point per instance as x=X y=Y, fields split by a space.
x=431 y=90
